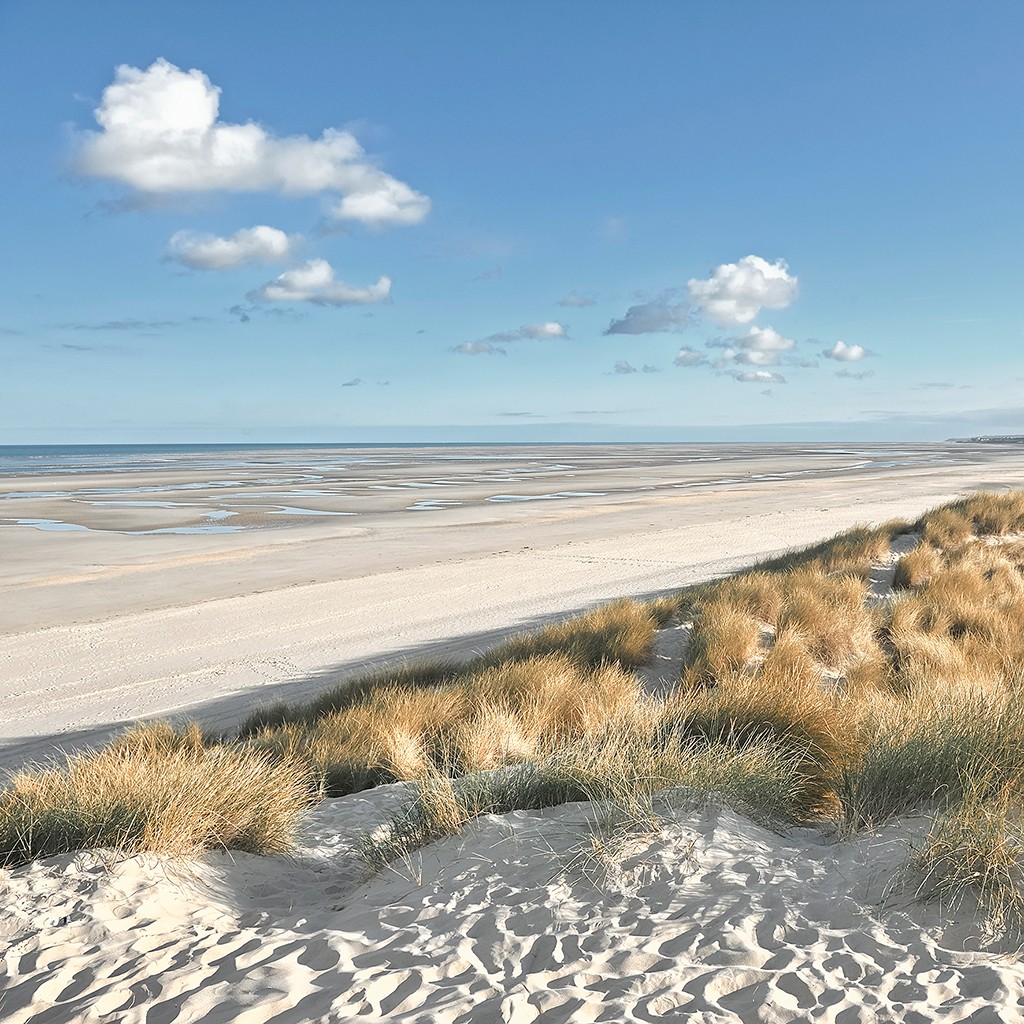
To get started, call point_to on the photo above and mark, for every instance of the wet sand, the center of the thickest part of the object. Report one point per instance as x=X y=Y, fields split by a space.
x=208 y=585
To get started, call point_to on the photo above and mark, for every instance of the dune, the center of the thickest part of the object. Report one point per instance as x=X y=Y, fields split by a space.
x=690 y=906
x=554 y=915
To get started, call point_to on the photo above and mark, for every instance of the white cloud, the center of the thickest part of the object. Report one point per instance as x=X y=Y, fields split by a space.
x=159 y=134
x=623 y=367
x=260 y=244
x=758 y=377
x=477 y=348
x=735 y=293
x=688 y=356
x=850 y=375
x=845 y=353
x=545 y=331
x=765 y=339
x=315 y=282
x=759 y=346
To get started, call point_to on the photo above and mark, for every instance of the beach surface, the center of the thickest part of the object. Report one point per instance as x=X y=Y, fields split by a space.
x=206 y=585
x=580 y=912
x=550 y=916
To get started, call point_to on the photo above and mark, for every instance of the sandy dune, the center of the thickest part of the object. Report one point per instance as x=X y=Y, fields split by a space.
x=575 y=913
x=534 y=916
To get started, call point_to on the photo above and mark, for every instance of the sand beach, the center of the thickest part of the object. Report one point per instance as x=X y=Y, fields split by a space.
x=196 y=586
x=121 y=608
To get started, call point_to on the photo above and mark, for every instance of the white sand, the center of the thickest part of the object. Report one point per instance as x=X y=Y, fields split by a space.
x=534 y=916
x=531 y=916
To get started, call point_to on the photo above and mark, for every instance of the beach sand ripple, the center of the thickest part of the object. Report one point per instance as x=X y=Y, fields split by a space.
x=552 y=915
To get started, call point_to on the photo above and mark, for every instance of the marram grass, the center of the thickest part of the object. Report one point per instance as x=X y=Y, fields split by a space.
x=808 y=695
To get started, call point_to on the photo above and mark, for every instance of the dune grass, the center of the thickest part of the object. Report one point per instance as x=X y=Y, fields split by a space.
x=974 y=853
x=804 y=698
x=154 y=789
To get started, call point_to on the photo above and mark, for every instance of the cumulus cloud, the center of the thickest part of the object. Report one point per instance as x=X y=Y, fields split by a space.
x=845 y=353
x=160 y=134
x=688 y=356
x=758 y=377
x=576 y=301
x=260 y=244
x=850 y=375
x=477 y=348
x=663 y=314
x=623 y=367
x=315 y=282
x=647 y=368
x=759 y=346
x=735 y=293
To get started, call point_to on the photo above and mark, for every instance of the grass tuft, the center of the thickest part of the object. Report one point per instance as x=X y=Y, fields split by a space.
x=149 y=792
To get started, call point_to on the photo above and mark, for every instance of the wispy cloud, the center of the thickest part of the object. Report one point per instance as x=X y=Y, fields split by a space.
x=130 y=324
x=688 y=356
x=551 y=330
x=574 y=300
x=666 y=313
x=850 y=375
x=758 y=377
x=353 y=383
x=477 y=348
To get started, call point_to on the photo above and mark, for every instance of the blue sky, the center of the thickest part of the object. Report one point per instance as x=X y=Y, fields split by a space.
x=535 y=221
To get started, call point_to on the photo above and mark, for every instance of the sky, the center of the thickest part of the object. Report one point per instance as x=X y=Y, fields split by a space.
x=466 y=221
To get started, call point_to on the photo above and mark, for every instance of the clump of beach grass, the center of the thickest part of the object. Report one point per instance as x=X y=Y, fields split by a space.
x=975 y=852
x=154 y=790
x=621 y=633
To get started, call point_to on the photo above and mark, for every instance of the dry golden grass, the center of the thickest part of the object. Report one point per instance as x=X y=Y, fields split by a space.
x=917 y=567
x=622 y=632
x=801 y=700
x=724 y=640
x=150 y=792
x=946 y=528
x=827 y=609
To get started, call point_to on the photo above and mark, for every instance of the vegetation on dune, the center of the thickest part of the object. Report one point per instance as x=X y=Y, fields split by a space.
x=807 y=696
x=154 y=789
